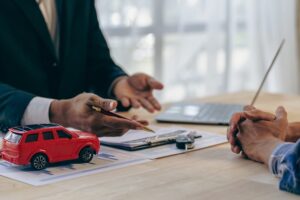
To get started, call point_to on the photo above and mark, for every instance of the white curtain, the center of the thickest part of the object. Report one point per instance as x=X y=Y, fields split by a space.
x=204 y=47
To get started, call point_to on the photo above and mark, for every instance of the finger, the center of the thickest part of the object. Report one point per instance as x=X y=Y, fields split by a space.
x=154 y=84
x=231 y=137
x=232 y=140
x=154 y=102
x=281 y=116
x=118 y=123
x=255 y=115
x=143 y=122
x=228 y=134
x=135 y=103
x=234 y=121
x=249 y=108
x=237 y=150
x=125 y=102
x=147 y=105
x=135 y=117
x=118 y=132
x=281 y=113
x=102 y=131
x=107 y=104
x=232 y=149
x=234 y=144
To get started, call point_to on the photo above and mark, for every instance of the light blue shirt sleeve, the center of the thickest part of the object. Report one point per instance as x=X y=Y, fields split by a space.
x=285 y=164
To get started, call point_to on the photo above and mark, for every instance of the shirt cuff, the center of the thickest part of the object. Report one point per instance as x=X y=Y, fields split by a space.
x=37 y=111
x=276 y=157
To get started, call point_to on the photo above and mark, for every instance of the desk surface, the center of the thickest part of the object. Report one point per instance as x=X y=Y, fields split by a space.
x=213 y=173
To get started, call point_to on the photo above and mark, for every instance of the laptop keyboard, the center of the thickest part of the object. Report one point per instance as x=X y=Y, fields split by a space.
x=210 y=113
x=216 y=112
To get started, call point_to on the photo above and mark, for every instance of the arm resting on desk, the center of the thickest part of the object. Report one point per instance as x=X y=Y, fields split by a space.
x=285 y=164
x=13 y=103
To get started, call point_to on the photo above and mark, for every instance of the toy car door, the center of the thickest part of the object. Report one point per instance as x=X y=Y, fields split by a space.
x=48 y=143
x=65 y=145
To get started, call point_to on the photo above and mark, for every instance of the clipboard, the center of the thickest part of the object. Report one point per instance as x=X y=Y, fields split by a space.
x=138 y=140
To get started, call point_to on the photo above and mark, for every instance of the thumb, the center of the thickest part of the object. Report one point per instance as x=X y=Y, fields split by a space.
x=248 y=108
x=106 y=104
x=256 y=115
x=154 y=84
x=281 y=115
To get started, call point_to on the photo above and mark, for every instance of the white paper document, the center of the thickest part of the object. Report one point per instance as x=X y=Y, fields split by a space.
x=108 y=158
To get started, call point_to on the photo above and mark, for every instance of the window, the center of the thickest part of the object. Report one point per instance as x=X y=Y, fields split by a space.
x=63 y=134
x=48 y=135
x=32 y=138
x=13 y=137
x=177 y=42
x=203 y=47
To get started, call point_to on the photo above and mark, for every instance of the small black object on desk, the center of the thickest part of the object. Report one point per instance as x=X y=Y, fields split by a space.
x=185 y=141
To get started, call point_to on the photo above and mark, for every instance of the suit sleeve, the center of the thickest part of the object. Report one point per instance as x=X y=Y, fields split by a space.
x=103 y=70
x=13 y=103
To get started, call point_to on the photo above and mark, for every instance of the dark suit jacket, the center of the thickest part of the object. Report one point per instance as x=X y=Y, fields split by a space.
x=29 y=65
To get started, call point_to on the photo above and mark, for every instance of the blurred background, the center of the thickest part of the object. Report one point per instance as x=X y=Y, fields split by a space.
x=204 y=47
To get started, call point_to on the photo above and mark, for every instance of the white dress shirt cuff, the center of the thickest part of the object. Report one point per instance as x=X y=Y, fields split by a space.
x=37 y=111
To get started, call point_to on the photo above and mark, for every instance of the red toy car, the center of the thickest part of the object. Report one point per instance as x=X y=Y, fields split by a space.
x=41 y=144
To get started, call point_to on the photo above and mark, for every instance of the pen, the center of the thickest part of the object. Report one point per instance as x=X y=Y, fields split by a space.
x=105 y=112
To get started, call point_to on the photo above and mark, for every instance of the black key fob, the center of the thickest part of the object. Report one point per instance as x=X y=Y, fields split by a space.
x=185 y=141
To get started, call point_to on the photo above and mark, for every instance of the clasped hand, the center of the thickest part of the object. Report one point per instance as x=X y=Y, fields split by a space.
x=256 y=133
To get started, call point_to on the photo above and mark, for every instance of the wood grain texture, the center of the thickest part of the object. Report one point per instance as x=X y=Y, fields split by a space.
x=212 y=173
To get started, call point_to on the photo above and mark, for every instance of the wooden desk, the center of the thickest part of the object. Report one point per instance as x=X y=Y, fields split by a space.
x=213 y=173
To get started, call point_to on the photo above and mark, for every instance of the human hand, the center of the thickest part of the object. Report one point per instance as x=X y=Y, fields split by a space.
x=136 y=90
x=250 y=113
x=258 y=139
x=77 y=113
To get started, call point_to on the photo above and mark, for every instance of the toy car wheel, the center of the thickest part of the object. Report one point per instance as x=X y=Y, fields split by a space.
x=86 y=155
x=39 y=162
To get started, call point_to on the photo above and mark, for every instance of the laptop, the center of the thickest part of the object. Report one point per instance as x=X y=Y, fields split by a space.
x=209 y=113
